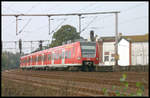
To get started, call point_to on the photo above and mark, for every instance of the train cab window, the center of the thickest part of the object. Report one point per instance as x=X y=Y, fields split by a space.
x=88 y=49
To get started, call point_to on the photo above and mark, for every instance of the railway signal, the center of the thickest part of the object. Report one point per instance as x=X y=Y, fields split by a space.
x=40 y=44
x=92 y=35
x=20 y=45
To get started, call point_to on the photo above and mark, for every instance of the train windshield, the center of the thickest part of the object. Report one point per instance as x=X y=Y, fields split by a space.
x=88 y=49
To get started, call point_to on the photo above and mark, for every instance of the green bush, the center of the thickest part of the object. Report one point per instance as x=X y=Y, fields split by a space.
x=139 y=91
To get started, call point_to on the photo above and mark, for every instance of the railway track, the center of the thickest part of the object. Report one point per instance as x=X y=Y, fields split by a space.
x=82 y=85
x=79 y=90
x=81 y=78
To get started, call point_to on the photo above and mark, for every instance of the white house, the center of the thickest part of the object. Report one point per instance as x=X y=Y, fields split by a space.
x=132 y=50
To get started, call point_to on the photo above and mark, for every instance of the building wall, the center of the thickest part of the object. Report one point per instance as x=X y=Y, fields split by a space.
x=139 y=53
x=108 y=53
x=100 y=51
x=123 y=51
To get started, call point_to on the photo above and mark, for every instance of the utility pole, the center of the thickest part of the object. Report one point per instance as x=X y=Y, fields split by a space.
x=16 y=24
x=31 y=46
x=79 y=23
x=116 y=43
x=16 y=46
x=49 y=24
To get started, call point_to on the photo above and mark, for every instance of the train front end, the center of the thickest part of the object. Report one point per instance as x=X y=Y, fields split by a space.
x=89 y=55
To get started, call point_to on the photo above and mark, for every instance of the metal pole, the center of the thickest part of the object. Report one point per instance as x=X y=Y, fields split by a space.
x=49 y=24
x=31 y=46
x=79 y=24
x=16 y=24
x=116 y=41
x=16 y=46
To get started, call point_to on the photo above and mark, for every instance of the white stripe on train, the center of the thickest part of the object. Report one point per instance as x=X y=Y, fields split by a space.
x=54 y=65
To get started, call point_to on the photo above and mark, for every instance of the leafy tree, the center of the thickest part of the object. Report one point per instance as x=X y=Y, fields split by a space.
x=65 y=33
x=10 y=60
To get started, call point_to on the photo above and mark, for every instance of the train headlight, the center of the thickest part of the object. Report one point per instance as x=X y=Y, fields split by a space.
x=79 y=58
x=96 y=58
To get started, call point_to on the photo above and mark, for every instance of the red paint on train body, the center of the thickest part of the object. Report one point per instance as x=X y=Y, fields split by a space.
x=73 y=54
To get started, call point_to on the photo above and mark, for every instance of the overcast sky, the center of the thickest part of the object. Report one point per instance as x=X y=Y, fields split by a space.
x=133 y=18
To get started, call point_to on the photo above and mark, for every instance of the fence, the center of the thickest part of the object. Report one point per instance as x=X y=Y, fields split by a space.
x=131 y=68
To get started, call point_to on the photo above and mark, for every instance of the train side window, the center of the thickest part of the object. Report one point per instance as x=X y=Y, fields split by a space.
x=52 y=56
x=73 y=51
x=49 y=57
x=41 y=57
x=37 y=58
x=60 y=54
x=45 y=56
x=69 y=56
x=28 y=60
x=31 y=59
x=55 y=56
x=66 y=54
x=63 y=55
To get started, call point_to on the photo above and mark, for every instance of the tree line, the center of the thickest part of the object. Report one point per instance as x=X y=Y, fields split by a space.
x=10 y=60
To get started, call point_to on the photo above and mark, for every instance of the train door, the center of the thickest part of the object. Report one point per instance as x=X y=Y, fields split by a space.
x=63 y=56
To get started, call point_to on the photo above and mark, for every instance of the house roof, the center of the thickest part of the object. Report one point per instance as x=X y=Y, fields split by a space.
x=133 y=38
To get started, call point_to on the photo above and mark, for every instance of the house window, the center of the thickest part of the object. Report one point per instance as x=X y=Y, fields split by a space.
x=106 y=58
x=112 y=59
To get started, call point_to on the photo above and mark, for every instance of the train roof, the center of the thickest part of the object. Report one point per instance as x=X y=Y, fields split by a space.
x=54 y=48
x=49 y=49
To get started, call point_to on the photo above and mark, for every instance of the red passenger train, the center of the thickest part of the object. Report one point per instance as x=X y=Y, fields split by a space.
x=74 y=56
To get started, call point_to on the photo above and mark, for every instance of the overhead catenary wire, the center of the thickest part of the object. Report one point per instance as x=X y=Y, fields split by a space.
x=89 y=24
x=24 y=26
x=58 y=26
